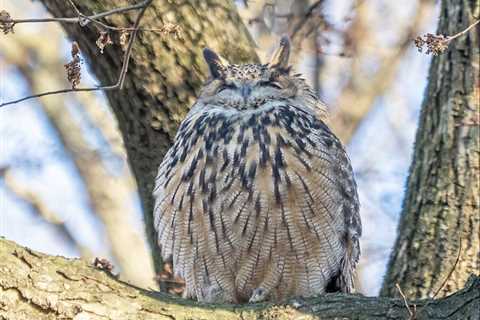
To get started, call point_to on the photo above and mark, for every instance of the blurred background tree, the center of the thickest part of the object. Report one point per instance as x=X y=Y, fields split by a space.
x=66 y=186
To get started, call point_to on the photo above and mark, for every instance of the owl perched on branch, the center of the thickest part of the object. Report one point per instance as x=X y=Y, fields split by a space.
x=256 y=199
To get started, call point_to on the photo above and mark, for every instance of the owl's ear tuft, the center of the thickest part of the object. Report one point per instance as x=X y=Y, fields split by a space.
x=216 y=64
x=281 y=55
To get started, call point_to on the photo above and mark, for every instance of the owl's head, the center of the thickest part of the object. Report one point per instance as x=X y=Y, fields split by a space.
x=250 y=86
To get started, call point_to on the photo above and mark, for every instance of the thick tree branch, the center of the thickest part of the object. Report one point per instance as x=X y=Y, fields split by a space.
x=38 y=286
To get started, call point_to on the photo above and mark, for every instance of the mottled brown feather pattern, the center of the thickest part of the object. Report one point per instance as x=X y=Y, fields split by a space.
x=256 y=199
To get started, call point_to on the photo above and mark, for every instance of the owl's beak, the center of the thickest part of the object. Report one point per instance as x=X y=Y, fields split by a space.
x=245 y=90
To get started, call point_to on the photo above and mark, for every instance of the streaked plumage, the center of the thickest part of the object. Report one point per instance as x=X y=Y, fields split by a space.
x=256 y=199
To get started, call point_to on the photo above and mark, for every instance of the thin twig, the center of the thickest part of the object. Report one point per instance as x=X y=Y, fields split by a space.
x=438 y=43
x=448 y=276
x=48 y=93
x=121 y=78
x=75 y=7
x=412 y=313
x=78 y=19
x=128 y=52
x=310 y=12
x=451 y=270
x=464 y=31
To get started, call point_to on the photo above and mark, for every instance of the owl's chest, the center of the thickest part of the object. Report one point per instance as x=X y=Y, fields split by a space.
x=214 y=152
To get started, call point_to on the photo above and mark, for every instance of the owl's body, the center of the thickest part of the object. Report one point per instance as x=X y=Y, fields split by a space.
x=256 y=199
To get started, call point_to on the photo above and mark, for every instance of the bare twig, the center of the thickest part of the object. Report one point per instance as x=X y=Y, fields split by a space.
x=48 y=93
x=75 y=7
x=437 y=44
x=464 y=31
x=451 y=270
x=413 y=313
x=121 y=78
x=309 y=14
x=128 y=52
x=448 y=276
x=81 y=18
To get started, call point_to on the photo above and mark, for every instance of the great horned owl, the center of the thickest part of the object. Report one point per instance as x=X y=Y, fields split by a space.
x=256 y=199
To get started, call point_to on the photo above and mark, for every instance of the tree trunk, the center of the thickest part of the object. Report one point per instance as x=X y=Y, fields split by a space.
x=39 y=286
x=441 y=219
x=164 y=73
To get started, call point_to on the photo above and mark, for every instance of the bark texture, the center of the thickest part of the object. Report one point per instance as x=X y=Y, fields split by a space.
x=39 y=286
x=164 y=73
x=441 y=219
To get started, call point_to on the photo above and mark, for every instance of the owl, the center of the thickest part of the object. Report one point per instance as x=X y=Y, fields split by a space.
x=256 y=199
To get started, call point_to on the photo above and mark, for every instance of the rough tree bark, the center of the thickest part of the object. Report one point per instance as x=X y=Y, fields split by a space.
x=441 y=219
x=163 y=76
x=38 y=286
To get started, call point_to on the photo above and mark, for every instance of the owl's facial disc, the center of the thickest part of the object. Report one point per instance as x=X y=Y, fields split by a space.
x=248 y=86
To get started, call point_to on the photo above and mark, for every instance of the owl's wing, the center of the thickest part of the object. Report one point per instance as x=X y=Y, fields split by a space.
x=287 y=189
x=191 y=228
x=329 y=162
x=328 y=182
x=342 y=174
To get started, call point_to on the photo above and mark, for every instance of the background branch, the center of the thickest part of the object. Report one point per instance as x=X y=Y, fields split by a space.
x=40 y=209
x=110 y=193
x=126 y=58
x=359 y=94
x=80 y=19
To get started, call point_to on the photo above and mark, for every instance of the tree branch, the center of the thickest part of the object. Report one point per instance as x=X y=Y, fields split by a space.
x=358 y=96
x=37 y=286
x=81 y=18
x=121 y=77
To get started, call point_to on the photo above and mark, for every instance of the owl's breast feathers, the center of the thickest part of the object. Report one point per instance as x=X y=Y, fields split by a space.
x=257 y=203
